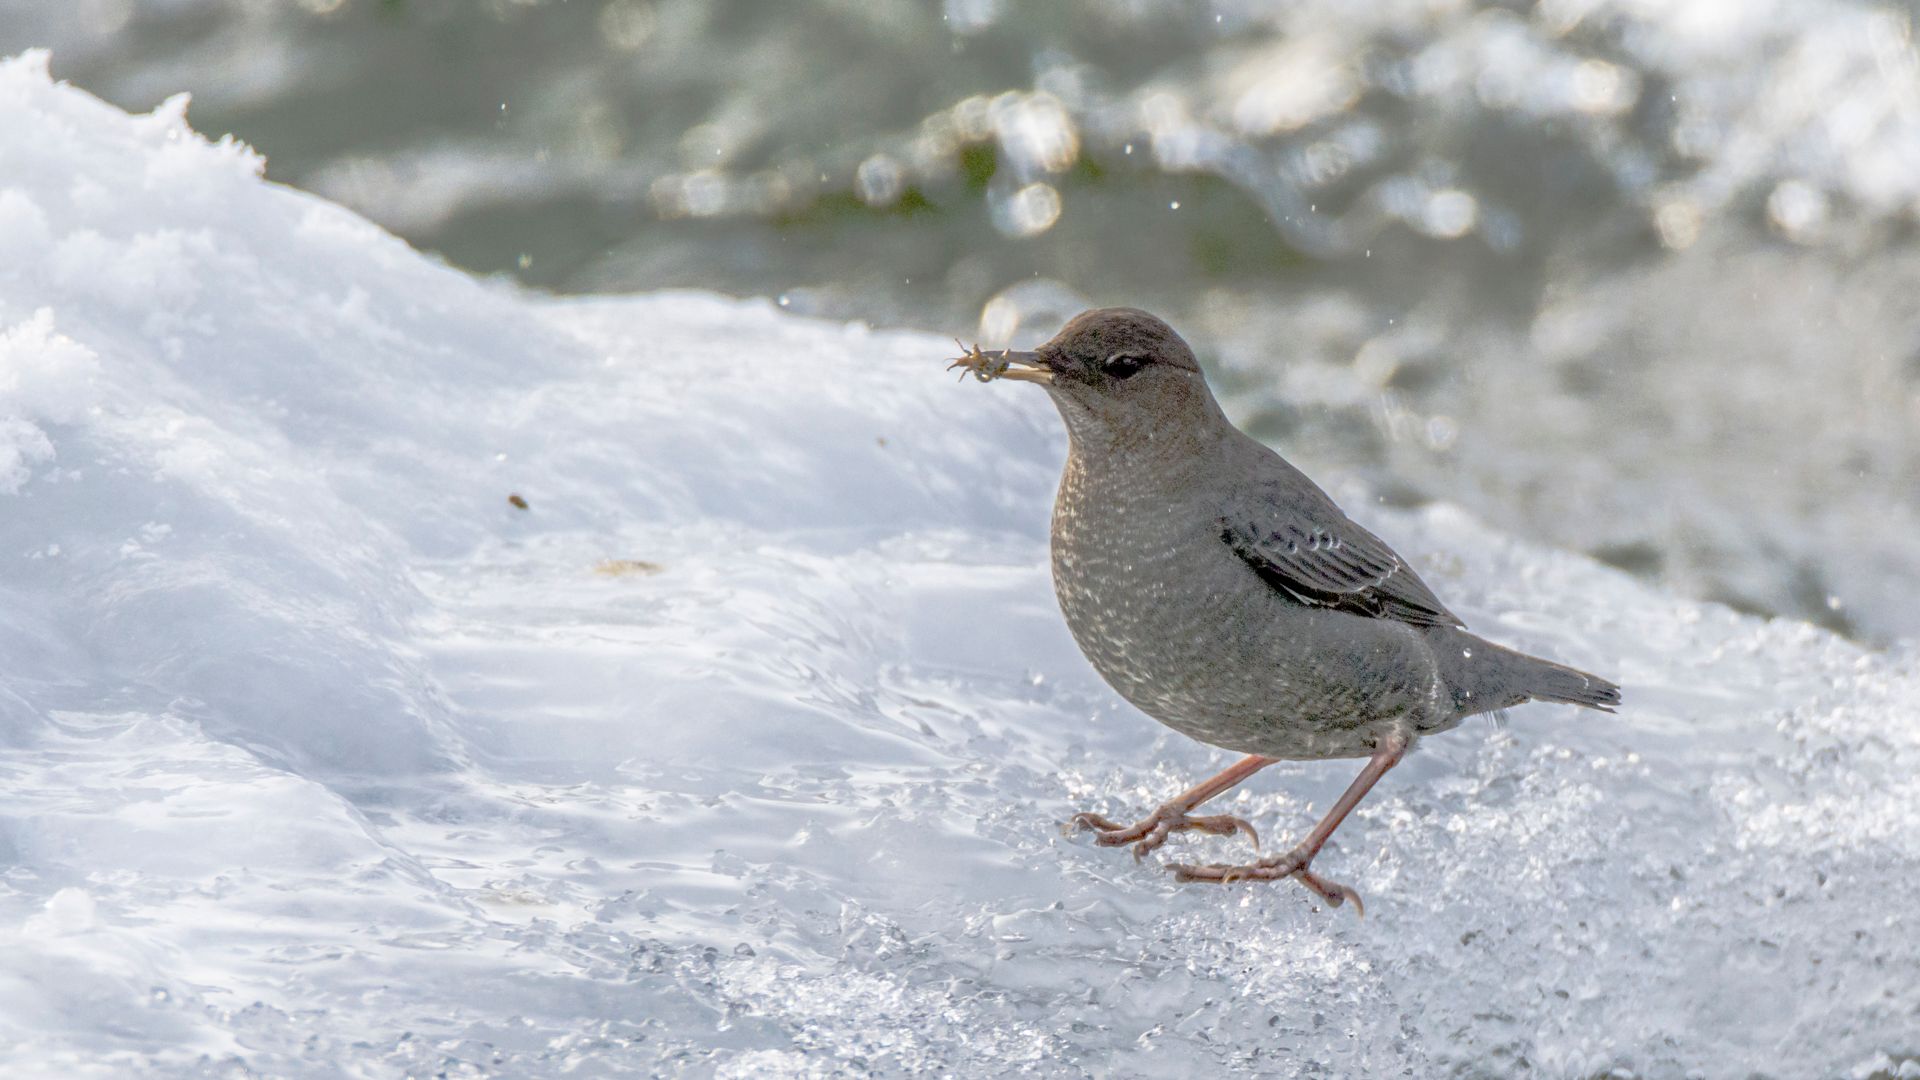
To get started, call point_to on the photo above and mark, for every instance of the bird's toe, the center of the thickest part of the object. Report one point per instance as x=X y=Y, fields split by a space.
x=1225 y=825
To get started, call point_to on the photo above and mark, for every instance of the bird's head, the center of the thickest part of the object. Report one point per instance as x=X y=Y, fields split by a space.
x=1117 y=375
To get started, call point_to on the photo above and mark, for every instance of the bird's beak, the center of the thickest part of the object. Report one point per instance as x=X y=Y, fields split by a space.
x=1025 y=367
x=1005 y=364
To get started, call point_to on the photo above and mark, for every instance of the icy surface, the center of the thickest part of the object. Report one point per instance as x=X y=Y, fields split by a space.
x=739 y=750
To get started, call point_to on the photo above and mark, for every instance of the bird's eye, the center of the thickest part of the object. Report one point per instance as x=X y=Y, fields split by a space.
x=1123 y=365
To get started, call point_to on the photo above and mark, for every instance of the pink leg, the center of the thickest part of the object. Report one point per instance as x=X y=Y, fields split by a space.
x=1152 y=831
x=1294 y=863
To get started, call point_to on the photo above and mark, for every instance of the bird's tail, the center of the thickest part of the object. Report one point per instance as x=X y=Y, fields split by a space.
x=1548 y=681
x=1485 y=677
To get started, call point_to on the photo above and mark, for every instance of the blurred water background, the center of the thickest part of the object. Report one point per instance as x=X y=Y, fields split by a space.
x=1635 y=277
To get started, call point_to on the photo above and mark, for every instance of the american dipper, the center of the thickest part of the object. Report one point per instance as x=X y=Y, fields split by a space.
x=1219 y=590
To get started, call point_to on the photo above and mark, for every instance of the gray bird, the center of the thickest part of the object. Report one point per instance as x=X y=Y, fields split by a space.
x=1219 y=590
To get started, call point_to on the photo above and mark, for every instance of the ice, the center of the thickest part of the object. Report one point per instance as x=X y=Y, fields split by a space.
x=740 y=749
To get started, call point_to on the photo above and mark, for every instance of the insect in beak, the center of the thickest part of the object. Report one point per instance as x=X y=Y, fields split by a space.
x=1005 y=364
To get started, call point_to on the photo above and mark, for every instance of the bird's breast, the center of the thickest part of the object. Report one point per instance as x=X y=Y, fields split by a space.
x=1158 y=604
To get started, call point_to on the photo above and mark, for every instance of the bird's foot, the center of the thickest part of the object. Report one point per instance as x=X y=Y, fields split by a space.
x=1152 y=831
x=1291 y=865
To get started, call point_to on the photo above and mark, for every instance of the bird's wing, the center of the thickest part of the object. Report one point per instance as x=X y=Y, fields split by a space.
x=1295 y=538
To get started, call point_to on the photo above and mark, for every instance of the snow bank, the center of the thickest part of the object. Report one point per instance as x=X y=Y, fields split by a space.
x=739 y=749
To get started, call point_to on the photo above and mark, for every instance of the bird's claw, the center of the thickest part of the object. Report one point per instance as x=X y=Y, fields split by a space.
x=1291 y=865
x=1152 y=831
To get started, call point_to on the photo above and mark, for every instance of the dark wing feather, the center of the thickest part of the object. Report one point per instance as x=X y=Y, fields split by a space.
x=1298 y=541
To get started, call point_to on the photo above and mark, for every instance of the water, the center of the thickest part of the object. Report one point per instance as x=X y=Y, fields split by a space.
x=1633 y=279
x=738 y=745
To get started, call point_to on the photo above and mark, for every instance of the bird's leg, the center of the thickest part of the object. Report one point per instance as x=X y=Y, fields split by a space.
x=1294 y=864
x=1172 y=816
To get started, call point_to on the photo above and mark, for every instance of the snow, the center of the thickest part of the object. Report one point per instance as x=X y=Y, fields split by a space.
x=740 y=750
